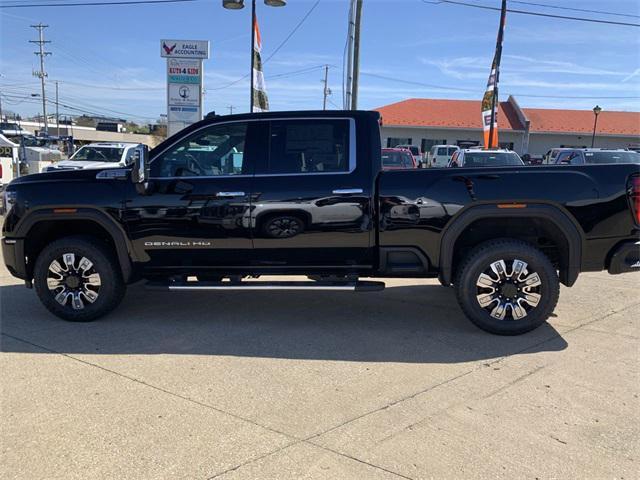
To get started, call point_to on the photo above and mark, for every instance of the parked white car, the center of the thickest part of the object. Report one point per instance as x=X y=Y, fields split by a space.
x=12 y=129
x=440 y=155
x=476 y=157
x=98 y=155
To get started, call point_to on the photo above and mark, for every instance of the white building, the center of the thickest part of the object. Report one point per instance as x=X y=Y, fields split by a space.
x=428 y=122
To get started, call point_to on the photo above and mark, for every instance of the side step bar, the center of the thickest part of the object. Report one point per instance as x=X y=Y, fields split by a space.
x=358 y=286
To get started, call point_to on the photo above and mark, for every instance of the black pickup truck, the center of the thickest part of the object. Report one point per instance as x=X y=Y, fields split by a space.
x=303 y=193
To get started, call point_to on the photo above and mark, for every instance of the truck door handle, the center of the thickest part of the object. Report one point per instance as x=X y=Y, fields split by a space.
x=230 y=194
x=347 y=191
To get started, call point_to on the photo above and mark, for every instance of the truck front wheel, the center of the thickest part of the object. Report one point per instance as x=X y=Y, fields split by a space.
x=507 y=287
x=77 y=279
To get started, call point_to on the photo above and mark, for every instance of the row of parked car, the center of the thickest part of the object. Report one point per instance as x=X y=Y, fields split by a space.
x=451 y=156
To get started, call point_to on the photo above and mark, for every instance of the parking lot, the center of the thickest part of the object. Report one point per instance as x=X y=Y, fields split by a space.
x=396 y=384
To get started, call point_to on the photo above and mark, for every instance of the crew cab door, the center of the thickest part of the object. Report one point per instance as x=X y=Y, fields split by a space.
x=200 y=190
x=312 y=198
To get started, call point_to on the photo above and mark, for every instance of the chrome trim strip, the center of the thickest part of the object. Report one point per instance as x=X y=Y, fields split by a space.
x=261 y=287
x=230 y=194
x=347 y=191
x=352 y=150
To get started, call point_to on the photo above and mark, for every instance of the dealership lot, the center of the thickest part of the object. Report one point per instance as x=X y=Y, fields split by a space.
x=396 y=384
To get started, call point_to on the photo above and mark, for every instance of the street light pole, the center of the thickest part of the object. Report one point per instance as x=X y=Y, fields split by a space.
x=596 y=112
x=239 y=4
x=253 y=53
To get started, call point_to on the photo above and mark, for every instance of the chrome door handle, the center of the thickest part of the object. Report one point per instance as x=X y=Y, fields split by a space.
x=347 y=191
x=230 y=194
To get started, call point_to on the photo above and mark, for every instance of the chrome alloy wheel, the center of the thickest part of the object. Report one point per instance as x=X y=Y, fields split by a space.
x=508 y=294
x=73 y=282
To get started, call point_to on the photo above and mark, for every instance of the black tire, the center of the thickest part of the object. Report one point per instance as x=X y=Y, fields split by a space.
x=509 y=293
x=111 y=287
x=282 y=226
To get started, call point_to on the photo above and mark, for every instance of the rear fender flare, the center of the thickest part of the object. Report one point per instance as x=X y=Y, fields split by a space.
x=565 y=224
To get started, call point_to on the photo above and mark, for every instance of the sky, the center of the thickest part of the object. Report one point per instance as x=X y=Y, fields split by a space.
x=107 y=58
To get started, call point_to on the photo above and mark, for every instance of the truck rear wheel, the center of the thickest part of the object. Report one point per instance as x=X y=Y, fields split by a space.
x=77 y=279
x=507 y=287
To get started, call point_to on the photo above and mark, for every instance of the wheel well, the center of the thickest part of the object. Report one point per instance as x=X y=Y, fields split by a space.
x=542 y=233
x=43 y=233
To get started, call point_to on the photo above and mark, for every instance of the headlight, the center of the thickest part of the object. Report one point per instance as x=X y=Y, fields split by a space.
x=10 y=198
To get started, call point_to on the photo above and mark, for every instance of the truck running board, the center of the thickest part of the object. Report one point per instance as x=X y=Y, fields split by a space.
x=357 y=286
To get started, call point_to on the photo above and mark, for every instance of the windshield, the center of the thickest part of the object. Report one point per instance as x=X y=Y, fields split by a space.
x=491 y=159
x=98 y=154
x=612 y=157
x=393 y=159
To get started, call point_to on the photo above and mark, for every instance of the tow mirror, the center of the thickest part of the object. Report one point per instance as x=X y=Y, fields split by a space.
x=140 y=171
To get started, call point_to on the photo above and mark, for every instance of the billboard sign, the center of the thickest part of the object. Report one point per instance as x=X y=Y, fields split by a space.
x=180 y=70
x=184 y=81
x=198 y=49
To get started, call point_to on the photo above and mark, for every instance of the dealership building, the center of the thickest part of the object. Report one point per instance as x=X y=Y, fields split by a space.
x=427 y=122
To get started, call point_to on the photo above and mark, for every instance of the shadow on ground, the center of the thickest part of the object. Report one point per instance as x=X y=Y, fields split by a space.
x=411 y=324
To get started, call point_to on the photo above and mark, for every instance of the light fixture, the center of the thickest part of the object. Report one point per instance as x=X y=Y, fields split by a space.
x=597 y=110
x=275 y=3
x=233 y=4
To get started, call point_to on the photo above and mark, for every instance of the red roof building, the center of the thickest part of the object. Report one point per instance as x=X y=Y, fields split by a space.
x=427 y=122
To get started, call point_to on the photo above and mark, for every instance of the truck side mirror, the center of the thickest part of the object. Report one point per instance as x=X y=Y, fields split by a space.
x=140 y=171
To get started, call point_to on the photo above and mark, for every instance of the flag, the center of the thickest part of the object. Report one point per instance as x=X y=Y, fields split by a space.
x=490 y=99
x=259 y=91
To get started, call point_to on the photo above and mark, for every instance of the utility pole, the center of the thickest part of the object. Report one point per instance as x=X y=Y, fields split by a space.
x=42 y=73
x=230 y=107
x=356 y=56
x=57 y=114
x=0 y=108
x=327 y=90
x=353 y=55
x=350 y=42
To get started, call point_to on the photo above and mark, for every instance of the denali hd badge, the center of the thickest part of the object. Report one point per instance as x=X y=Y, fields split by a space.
x=183 y=244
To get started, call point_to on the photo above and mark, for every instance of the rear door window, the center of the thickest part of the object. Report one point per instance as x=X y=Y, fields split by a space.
x=309 y=146
x=442 y=151
x=452 y=150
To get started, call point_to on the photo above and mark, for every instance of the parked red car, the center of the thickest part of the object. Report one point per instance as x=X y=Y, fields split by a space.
x=397 y=159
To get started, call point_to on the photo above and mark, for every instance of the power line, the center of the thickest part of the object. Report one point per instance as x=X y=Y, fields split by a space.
x=585 y=10
x=536 y=14
x=282 y=44
x=420 y=84
x=295 y=29
x=87 y=4
x=467 y=90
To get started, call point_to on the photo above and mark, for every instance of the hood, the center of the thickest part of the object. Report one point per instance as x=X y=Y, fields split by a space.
x=62 y=175
x=81 y=165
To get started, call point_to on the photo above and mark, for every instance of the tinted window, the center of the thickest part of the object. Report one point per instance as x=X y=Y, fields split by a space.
x=442 y=151
x=309 y=146
x=414 y=151
x=491 y=159
x=392 y=159
x=560 y=156
x=217 y=150
x=98 y=154
x=452 y=150
x=612 y=157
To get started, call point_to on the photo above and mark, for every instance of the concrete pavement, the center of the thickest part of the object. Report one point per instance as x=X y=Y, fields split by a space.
x=396 y=384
